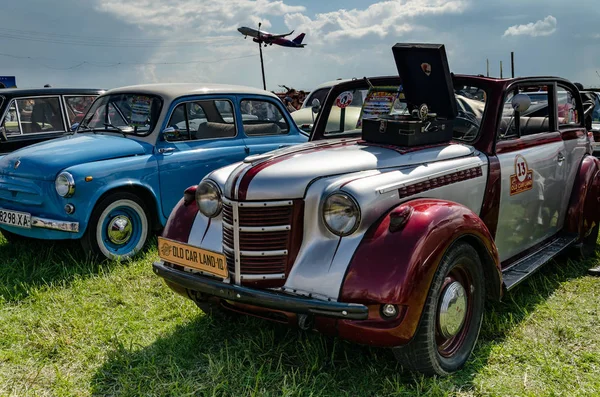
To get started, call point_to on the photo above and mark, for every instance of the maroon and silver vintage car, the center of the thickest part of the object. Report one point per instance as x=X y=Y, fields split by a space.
x=451 y=190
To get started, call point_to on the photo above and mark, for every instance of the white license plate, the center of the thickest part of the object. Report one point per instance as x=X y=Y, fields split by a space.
x=14 y=218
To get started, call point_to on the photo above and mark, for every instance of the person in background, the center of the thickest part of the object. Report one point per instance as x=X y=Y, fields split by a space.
x=287 y=101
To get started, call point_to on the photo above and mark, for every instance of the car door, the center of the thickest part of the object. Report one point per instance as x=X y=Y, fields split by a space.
x=534 y=172
x=31 y=120
x=201 y=135
x=266 y=125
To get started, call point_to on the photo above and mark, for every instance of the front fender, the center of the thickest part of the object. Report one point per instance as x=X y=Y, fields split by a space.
x=398 y=267
x=584 y=212
x=130 y=172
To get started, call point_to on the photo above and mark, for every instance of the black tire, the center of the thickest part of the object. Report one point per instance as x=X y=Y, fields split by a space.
x=13 y=238
x=96 y=240
x=429 y=352
x=588 y=245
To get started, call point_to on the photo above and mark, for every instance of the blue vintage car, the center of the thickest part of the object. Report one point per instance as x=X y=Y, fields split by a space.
x=117 y=179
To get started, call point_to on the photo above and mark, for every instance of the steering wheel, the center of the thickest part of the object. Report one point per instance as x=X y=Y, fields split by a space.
x=474 y=125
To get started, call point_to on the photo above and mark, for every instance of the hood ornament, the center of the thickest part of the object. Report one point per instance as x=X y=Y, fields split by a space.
x=17 y=164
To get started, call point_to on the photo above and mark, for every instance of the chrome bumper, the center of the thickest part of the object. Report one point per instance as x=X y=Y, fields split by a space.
x=42 y=223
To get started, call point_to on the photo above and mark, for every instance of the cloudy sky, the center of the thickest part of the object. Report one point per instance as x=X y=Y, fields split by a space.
x=110 y=43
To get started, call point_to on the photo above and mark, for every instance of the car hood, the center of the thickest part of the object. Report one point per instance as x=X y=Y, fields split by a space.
x=45 y=160
x=285 y=174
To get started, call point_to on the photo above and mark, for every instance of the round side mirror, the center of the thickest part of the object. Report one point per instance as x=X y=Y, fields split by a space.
x=74 y=127
x=520 y=103
x=316 y=105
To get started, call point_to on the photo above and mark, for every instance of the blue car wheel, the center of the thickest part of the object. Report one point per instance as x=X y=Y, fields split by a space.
x=119 y=227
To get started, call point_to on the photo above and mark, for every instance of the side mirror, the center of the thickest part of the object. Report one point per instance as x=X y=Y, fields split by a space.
x=74 y=127
x=520 y=103
x=169 y=132
x=316 y=105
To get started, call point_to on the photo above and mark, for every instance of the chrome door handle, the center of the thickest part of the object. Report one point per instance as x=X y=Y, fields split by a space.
x=166 y=150
x=561 y=157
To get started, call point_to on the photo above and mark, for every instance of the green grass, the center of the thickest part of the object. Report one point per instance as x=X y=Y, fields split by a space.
x=71 y=327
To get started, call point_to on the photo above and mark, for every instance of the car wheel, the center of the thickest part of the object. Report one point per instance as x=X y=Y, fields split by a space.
x=587 y=247
x=119 y=227
x=451 y=318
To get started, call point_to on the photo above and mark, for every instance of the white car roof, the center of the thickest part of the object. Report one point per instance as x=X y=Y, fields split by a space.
x=175 y=90
x=331 y=83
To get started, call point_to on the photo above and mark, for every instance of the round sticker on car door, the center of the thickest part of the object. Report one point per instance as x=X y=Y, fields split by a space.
x=522 y=180
x=344 y=99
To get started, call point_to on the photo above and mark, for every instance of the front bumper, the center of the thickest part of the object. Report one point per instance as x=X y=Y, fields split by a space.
x=261 y=298
x=63 y=226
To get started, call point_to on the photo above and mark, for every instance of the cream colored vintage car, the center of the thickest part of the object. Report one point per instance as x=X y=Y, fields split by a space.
x=339 y=120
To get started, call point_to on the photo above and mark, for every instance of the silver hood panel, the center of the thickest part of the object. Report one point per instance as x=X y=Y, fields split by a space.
x=293 y=171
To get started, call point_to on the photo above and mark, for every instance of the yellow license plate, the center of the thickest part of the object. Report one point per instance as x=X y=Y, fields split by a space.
x=192 y=257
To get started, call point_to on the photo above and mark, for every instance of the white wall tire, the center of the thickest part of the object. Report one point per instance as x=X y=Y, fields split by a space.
x=119 y=227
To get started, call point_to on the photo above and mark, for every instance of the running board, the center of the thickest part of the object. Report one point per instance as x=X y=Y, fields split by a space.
x=526 y=266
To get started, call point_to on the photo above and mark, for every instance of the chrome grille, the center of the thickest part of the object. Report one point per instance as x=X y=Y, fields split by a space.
x=259 y=234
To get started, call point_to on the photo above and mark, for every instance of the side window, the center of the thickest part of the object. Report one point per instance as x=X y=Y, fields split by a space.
x=535 y=120
x=262 y=118
x=596 y=111
x=568 y=115
x=207 y=119
x=40 y=115
x=11 y=122
x=77 y=106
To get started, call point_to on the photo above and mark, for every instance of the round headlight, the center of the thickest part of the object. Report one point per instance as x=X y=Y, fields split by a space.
x=208 y=198
x=341 y=214
x=65 y=184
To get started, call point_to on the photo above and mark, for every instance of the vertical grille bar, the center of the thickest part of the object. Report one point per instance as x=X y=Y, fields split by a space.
x=236 y=243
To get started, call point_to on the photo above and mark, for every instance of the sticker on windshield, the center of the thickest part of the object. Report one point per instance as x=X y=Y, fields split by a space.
x=344 y=99
x=379 y=102
x=140 y=111
x=522 y=180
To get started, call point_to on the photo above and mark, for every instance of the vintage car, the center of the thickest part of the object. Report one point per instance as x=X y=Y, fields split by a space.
x=340 y=119
x=30 y=116
x=391 y=238
x=117 y=179
x=591 y=97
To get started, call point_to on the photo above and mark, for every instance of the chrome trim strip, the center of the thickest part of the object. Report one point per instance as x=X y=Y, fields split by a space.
x=263 y=276
x=263 y=253
x=259 y=204
x=228 y=249
x=236 y=244
x=265 y=229
x=391 y=188
x=42 y=223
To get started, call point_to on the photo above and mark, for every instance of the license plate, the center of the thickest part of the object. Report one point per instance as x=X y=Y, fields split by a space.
x=14 y=218
x=192 y=257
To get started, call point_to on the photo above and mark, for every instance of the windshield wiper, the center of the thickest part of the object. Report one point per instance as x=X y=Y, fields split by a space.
x=110 y=125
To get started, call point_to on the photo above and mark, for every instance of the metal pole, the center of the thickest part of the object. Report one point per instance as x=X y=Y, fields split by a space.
x=512 y=64
x=487 y=61
x=501 y=76
x=262 y=64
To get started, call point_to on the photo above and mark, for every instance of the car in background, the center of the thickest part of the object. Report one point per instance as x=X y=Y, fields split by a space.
x=341 y=120
x=30 y=116
x=591 y=97
x=118 y=177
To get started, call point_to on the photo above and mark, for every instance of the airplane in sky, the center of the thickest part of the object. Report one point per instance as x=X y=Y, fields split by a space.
x=270 y=39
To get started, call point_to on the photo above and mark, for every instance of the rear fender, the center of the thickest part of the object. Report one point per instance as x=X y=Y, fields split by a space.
x=584 y=212
x=398 y=267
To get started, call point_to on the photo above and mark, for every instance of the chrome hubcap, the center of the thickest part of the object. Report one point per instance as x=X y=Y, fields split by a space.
x=120 y=229
x=453 y=309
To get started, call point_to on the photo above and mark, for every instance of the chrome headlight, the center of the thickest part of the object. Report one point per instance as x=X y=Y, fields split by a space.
x=341 y=214
x=65 y=184
x=208 y=198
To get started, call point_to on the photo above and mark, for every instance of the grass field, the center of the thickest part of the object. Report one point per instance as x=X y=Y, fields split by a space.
x=71 y=327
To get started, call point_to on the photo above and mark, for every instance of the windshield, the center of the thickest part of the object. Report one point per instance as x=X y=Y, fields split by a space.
x=319 y=94
x=346 y=116
x=124 y=113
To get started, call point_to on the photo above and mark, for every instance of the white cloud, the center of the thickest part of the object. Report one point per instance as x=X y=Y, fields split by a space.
x=544 y=27
x=380 y=19
x=207 y=17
